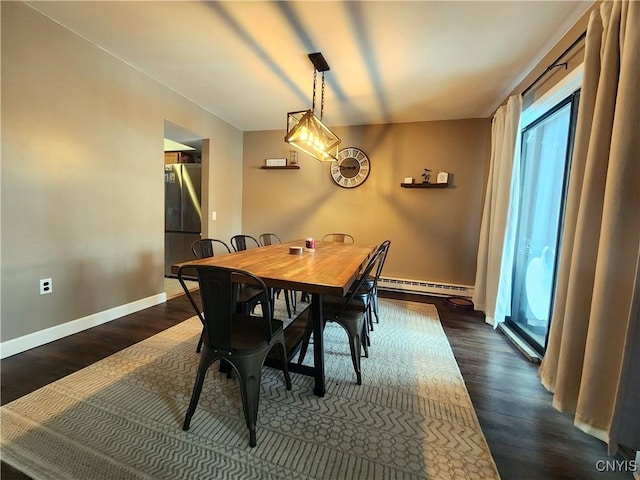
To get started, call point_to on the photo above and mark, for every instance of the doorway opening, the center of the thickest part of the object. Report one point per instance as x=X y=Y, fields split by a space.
x=183 y=198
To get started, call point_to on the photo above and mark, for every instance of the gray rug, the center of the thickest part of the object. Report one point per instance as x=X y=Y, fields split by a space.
x=121 y=418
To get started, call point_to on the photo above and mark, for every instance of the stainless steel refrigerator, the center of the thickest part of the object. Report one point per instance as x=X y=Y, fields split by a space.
x=182 y=212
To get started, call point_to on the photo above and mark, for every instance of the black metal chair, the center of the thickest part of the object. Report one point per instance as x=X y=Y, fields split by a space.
x=247 y=296
x=338 y=237
x=207 y=247
x=240 y=340
x=368 y=292
x=242 y=242
x=267 y=239
x=370 y=286
x=350 y=313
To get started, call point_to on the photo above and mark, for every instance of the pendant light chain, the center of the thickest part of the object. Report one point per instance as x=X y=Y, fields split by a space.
x=322 y=98
x=313 y=102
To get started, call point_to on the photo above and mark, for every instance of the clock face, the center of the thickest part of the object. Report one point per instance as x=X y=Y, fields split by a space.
x=351 y=169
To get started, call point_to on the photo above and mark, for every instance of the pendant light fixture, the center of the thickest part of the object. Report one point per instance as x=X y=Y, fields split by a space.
x=305 y=130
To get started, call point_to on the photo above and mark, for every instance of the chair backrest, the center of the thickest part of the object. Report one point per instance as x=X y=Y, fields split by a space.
x=206 y=247
x=385 y=249
x=373 y=261
x=218 y=289
x=338 y=237
x=269 y=239
x=239 y=242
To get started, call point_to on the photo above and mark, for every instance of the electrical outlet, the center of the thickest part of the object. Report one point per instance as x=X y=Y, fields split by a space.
x=214 y=216
x=46 y=286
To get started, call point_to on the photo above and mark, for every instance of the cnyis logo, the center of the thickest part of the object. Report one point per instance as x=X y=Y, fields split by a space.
x=617 y=466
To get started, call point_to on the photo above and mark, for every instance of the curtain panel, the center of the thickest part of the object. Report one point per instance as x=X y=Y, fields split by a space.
x=592 y=354
x=495 y=248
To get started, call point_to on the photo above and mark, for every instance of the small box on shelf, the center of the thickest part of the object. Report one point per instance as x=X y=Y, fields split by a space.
x=275 y=162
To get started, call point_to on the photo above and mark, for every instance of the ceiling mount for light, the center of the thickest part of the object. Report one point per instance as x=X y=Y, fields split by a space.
x=305 y=130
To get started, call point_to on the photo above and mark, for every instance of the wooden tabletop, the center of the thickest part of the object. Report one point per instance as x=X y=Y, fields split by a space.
x=329 y=270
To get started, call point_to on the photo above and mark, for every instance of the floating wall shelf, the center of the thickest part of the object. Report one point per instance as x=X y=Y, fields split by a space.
x=424 y=185
x=287 y=167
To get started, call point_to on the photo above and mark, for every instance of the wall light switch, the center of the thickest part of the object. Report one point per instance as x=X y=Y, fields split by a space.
x=214 y=216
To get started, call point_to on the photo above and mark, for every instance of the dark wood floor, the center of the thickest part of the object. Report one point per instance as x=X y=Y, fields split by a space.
x=528 y=438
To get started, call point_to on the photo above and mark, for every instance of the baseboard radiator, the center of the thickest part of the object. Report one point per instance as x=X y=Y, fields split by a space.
x=425 y=288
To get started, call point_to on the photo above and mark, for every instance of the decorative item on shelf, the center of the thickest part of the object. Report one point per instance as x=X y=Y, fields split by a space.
x=293 y=157
x=443 y=177
x=275 y=162
x=407 y=180
x=426 y=175
x=305 y=130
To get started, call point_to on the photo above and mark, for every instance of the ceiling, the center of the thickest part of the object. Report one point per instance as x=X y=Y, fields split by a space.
x=391 y=61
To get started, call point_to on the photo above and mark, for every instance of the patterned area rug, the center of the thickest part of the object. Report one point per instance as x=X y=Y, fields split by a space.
x=121 y=418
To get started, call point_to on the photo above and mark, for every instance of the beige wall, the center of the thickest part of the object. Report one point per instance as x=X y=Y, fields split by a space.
x=573 y=58
x=82 y=175
x=434 y=232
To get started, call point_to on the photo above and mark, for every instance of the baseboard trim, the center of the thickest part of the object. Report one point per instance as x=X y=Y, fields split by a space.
x=36 y=339
x=437 y=289
x=520 y=344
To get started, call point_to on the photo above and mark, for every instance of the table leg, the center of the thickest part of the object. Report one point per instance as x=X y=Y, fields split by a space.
x=318 y=344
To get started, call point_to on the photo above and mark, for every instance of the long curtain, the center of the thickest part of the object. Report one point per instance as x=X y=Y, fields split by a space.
x=495 y=248
x=592 y=353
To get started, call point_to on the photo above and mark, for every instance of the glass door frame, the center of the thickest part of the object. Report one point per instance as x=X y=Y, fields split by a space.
x=574 y=100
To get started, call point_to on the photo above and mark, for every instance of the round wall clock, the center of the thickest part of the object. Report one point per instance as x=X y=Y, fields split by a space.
x=351 y=168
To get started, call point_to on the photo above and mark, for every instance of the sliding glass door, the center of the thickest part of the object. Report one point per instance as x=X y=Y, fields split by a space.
x=545 y=158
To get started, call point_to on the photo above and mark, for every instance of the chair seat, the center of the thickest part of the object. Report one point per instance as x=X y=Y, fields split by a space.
x=248 y=294
x=333 y=305
x=351 y=320
x=248 y=332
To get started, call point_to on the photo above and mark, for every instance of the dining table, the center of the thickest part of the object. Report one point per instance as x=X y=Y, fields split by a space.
x=329 y=269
